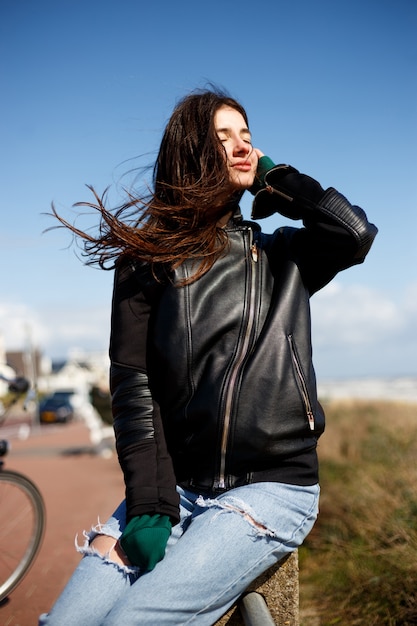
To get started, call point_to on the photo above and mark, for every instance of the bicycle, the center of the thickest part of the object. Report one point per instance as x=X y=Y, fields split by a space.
x=22 y=515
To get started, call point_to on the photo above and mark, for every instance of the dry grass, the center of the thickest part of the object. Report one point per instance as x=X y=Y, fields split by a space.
x=359 y=565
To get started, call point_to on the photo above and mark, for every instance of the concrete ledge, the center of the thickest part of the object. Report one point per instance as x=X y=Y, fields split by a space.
x=280 y=587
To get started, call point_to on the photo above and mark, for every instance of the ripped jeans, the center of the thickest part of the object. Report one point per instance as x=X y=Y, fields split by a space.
x=221 y=544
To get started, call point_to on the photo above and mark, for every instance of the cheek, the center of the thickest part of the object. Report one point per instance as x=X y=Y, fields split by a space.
x=228 y=153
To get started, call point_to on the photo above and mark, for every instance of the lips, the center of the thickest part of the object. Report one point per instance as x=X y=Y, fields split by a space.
x=244 y=166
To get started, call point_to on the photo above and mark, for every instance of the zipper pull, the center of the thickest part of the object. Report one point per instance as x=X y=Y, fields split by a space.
x=310 y=419
x=254 y=252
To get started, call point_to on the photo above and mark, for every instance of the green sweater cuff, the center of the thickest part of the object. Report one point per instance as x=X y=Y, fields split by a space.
x=264 y=165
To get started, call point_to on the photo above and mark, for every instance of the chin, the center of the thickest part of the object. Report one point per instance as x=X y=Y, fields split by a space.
x=243 y=182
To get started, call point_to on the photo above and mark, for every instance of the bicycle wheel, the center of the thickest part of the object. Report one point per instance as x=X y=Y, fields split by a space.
x=22 y=524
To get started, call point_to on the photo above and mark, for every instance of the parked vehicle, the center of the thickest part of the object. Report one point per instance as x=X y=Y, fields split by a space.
x=58 y=407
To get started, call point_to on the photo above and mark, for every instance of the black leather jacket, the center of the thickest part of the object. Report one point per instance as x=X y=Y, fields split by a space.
x=213 y=384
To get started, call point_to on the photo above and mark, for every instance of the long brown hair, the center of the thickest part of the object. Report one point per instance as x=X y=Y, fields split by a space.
x=178 y=219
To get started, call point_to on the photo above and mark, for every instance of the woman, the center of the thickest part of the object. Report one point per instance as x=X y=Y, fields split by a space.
x=213 y=389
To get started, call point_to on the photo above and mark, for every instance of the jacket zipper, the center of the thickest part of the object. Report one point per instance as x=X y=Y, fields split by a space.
x=250 y=320
x=303 y=385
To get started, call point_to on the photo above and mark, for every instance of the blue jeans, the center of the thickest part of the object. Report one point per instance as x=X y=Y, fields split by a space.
x=220 y=546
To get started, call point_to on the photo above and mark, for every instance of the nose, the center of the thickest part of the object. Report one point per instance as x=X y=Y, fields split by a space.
x=241 y=147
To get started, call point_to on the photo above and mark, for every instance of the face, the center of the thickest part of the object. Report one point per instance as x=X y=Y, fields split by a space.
x=234 y=134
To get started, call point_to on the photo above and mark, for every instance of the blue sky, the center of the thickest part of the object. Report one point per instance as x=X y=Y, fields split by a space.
x=329 y=86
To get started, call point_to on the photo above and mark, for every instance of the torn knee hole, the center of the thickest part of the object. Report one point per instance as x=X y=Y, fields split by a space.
x=108 y=549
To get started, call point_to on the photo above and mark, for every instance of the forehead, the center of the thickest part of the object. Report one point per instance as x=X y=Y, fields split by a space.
x=227 y=117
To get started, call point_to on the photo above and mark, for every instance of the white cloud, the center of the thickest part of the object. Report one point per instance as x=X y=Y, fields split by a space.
x=410 y=301
x=20 y=326
x=354 y=314
x=87 y=328
x=54 y=332
x=359 y=330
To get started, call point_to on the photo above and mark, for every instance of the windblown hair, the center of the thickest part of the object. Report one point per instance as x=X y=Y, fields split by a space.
x=178 y=219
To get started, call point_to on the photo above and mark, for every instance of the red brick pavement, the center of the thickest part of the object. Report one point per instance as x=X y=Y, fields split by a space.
x=78 y=486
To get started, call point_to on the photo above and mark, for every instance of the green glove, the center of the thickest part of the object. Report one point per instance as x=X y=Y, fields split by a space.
x=264 y=165
x=145 y=538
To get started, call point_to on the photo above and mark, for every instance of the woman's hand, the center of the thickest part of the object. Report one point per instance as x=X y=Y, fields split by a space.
x=264 y=165
x=144 y=540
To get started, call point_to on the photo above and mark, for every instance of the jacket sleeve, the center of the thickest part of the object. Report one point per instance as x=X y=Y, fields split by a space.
x=140 y=441
x=336 y=234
